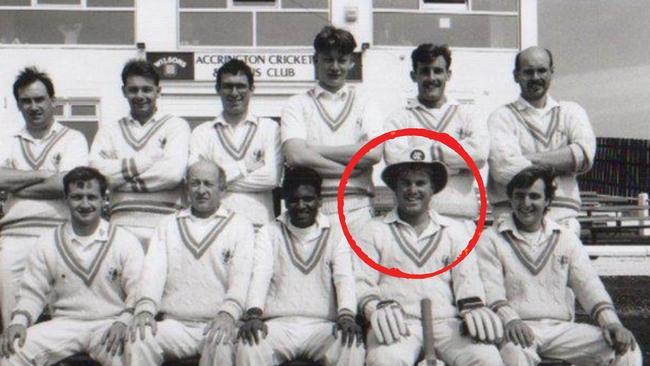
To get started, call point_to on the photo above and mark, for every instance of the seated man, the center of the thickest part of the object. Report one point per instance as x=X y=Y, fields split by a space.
x=87 y=268
x=416 y=239
x=196 y=275
x=529 y=265
x=302 y=296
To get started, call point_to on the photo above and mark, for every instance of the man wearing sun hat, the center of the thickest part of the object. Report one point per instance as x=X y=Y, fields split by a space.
x=418 y=240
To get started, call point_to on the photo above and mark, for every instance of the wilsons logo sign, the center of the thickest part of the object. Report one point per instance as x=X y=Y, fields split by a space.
x=173 y=65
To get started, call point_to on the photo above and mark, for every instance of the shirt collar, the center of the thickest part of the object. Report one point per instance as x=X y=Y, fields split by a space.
x=436 y=223
x=340 y=94
x=321 y=223
x=507 y=223
x=413 y=103
x=187 y=212
x=24 y=133
x=99 y=235
x=220 y=120
x=157 y=116
x=522 y=104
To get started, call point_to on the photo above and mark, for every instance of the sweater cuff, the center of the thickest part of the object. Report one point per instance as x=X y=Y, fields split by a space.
x=233 y=308
x=504 y=311
x=22 y=318
x=346 y=312
x=604 y=313
x=146 y=304
x=469 y=303
x=368 y=306
x=125 y=316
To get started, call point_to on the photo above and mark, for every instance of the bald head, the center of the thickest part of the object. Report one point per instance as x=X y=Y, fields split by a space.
x=205 y=183
x=534 y=52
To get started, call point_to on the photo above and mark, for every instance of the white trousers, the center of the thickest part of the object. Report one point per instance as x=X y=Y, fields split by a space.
x=294 y=337
x=579 y=344
x=451 y=347
x=175 y=340
x=14 y=250
x=52 y=341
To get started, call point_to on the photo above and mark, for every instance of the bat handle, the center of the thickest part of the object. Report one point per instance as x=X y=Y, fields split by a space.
x=427 y=332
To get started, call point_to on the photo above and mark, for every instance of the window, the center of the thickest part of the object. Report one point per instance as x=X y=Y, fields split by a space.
x=251 y=23
x=459 y=23
x=79 y=114
x=82 y=22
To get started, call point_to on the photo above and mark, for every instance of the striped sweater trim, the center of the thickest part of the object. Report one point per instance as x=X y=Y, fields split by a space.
x=236 y=152
x=534 y=265
x=333 y=191
x=367 y=299
x=31 y=222
x=30 y=320
x=495 y=306
x=72 y=261
x=128 y=175
x=334 y=123
x=199 y=247
x=599 y=307
x=35 y=162
x=308 y=264
x=147 y=206
x=138 y=144
x=140 y=186
x=419 y=257
x=545 y=137
x=430 y=123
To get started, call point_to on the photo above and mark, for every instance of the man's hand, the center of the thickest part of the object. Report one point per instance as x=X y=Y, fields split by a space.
x=220 y=330
x=140 y=322
x=619 y=338
x=349 y=330
x=388 y=322
x=483 y=325
x=114 y=339
x=7 y=339
x=519 y=333
x=252 y=325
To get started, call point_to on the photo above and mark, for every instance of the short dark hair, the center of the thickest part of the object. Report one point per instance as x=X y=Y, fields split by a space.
x=427 y=52
x=300 y=176
x=528 y=176
x=141 y=68
x=550 y=57
x=84 y=174
x=30 y=75
x=331 y=38
x=235 y=66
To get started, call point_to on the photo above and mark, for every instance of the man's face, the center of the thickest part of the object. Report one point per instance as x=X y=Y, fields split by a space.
x=142 y=94
x=203 y=189
x=431 y=79
x=534 y=75
x=302 y=205
x=528 y=205
x=85 y=200
x=413 y=191
x=36 y=106
x=235 y=93
x=332 y=68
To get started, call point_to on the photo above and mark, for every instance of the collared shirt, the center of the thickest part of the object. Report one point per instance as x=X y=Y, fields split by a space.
x=531 y=280
x=458 y=198
x=61 y=150
x=87 y=247
x=518 y=129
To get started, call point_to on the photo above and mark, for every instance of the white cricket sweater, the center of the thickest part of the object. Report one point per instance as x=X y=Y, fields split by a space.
x=196 y=268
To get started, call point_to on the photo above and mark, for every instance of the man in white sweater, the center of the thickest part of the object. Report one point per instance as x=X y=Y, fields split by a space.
x=530 y=265
x=417 y=240
x=143 y=155
x=247 y=147
x=88 y=270
x=538 y=130
x=301 y=301
x=195 y=277
x=432 y=109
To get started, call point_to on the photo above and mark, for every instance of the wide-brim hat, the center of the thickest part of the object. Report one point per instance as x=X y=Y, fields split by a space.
x=416 y=159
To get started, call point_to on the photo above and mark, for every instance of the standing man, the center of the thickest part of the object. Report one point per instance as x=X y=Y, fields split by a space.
x=195 y=277
x=537 y=130
x=245 y=146
x=33 y=162
x=302 y=300
x=87 y=270
x=434 y=111
x=324 y=127
x=143 y=155
x=415 y=239
x=528 y=263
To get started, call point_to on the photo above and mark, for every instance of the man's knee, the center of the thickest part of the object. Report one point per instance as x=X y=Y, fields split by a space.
x=388 y=356
x=630 y=358
x=480 y=354
x=143 y=349
x=252 y=355
x=512 y=354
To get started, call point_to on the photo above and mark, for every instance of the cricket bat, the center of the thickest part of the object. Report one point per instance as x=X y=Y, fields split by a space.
x=427 y=335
